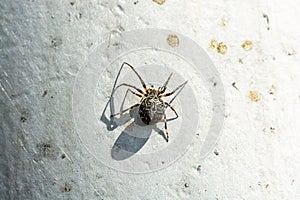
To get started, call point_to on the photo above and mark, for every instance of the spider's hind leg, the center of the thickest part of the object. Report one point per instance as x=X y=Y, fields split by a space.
x=166 y=128
x=173 y=109
x=130 y=108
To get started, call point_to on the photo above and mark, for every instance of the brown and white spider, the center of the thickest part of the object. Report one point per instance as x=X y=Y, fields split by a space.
x=151 y=106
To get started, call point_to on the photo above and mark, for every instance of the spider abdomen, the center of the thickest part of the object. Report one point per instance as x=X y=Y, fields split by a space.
x=151 y=110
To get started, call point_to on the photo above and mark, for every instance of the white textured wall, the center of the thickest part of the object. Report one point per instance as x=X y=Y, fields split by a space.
x=43 y=46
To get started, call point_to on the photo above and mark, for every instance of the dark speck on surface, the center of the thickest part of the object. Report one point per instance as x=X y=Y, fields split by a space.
x=45 y=93
x=233 y=85
x=67 y=187
x=47 y=150
x=291 y=53
x=292 y=181
x=216 y=152
x=267 y=19
x=23 y=119
x=55 y=42
x=120 y=7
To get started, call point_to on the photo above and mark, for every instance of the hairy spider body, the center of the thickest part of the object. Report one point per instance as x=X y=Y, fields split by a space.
x=151 y=107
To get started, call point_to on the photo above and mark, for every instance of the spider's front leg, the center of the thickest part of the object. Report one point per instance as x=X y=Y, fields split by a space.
x=170 y=93
x=132 y=86
x=141 y=96
x=133 y=69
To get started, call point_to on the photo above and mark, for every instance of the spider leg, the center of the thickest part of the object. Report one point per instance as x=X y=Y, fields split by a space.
x=132 y=86
x=141 y=96
x=173 y=110
x=164 y=87
x=170 y=93
x=130 y=108
x=166 y=128
x=142 y=81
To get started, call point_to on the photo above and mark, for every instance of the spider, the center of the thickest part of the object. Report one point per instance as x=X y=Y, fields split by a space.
x=151 y=106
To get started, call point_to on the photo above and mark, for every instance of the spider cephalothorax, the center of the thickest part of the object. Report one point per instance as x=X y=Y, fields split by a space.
x=151 y=106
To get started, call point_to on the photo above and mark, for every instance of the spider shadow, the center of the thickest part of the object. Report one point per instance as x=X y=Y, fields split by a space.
x=136 y=134
x=133 y=137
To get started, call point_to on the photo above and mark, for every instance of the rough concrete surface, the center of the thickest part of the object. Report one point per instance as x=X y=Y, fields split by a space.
x=49 y=57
